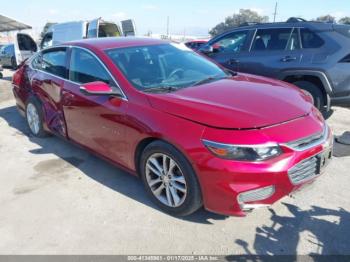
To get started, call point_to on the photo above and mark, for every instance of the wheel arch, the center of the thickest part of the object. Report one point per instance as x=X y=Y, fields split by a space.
x=142 y=144
x=316 y=77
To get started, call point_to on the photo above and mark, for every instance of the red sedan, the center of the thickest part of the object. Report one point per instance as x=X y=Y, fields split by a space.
x=196 y=134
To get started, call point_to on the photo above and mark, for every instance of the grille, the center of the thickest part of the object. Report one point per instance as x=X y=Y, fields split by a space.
x=304 y=171
x=257 y=194
x=310 y=141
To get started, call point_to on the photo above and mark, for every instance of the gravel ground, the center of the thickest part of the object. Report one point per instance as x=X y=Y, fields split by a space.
x=58 y=199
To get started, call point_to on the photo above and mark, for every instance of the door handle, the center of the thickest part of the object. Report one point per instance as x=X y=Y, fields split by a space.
x=288 y=58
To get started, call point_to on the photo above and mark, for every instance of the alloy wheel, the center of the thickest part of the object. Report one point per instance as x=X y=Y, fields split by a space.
x=33 y=118
x=166 y=180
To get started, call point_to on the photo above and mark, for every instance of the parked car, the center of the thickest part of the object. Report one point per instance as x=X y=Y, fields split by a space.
x=76 y=30
x=195 y=134
x=7 y=56
x=311 y=55
x=195 y=44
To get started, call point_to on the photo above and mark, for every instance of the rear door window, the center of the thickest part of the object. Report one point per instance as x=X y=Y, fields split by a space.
x=26 y=43
x=271 y=39
x=54 y=62
x=310 y=39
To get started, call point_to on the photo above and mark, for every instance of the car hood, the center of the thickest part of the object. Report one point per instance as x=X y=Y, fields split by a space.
x=240 y=102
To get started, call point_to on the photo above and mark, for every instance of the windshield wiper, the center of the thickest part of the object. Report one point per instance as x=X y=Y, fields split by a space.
x=161 y=89
x=209 y=79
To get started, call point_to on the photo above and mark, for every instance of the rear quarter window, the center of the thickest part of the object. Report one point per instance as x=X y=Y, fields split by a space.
x=310 y=39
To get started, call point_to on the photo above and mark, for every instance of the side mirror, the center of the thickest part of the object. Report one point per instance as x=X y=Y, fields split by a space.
x=98 y=88
x=207 y=49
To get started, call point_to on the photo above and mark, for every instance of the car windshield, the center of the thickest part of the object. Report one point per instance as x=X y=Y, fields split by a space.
x=166 y=67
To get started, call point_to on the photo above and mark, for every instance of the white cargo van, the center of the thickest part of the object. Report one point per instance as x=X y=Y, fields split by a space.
x=70 y=31
x=25 y=46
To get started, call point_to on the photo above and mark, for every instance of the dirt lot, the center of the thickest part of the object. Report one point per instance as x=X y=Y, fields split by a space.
x=58 y=199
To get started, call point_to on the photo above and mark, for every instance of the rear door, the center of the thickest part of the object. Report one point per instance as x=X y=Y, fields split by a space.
x=25 y=47
x=93 y=28
x=128 y=27
x=272 y=51
x=50 y=71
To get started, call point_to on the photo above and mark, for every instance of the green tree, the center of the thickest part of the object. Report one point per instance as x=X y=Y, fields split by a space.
x=326 y=19
x=244 y=16
x=46 y=27
x=345 y=20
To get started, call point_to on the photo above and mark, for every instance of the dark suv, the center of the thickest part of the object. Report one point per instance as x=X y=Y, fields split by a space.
x=313 y=56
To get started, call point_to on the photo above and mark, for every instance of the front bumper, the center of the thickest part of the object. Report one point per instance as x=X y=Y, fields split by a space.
x=224 y=182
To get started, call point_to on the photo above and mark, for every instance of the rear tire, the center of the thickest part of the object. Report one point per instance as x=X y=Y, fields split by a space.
x=315 y=92
x=172 y=185
x=34 y=117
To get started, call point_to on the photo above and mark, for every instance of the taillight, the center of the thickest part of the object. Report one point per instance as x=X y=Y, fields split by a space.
x=17 y=77
x=345 y=59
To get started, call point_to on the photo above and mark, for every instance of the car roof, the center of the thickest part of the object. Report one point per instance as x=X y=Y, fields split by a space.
x=306 y=24
x=116 y=42
x=198 y=41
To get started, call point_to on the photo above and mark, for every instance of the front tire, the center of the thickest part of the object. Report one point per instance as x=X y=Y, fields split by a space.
x=315 y=92
x=169 y=179
x=34 y=117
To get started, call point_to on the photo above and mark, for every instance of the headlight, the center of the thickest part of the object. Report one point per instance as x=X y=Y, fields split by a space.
x=242 y=152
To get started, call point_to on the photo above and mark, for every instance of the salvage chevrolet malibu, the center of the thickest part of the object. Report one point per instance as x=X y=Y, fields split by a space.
x=197 y=135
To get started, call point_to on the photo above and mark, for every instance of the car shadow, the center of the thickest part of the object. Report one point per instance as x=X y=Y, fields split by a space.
x=92 y=166
x=283 y=235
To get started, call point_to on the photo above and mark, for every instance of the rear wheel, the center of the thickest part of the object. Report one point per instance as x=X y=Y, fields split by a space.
x=169 y=179
x=34 y=117
x=315 y=92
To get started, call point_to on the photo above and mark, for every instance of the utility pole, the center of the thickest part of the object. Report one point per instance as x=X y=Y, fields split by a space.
x=167 y=27
x=275 y=13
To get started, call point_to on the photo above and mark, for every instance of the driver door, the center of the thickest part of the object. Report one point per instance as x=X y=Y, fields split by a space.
x=94 y=121
x=25 y=47
x=228 y=49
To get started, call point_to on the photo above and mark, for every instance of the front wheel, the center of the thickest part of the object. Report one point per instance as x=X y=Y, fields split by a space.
x=170 y=180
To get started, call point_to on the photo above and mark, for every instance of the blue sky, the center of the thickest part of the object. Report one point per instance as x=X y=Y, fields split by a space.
x=193 y=16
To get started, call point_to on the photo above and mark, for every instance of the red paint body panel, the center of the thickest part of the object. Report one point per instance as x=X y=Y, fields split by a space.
x=243 y=110
x=239 y=103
